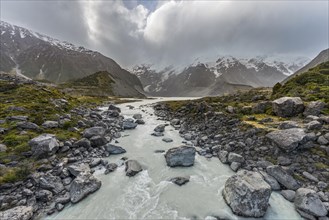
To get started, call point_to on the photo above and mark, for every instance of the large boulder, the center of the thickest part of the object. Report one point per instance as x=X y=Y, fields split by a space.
x=77 y=168
x=308 y=201
x=17 y=213
x=50 y=124
x=26 y=125
x=83 y=185
x=132 y=167
x=180 y=156
x=289 y=139
x=52 y=183
x=129 y=124
x=160 y=128
x=44 y=145
x=288 y=106
x=314 y=108
x=90 y=132
x=114 y=108
x=282 y=177
x=113 y=149
x=233 y=157
x=247 y=194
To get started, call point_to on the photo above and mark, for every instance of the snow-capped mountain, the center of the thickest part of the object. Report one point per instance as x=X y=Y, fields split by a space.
x=224 y=75
x=38 y=56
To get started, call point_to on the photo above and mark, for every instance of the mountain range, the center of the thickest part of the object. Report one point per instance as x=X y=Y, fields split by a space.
x=225 y=75
x=41 y=57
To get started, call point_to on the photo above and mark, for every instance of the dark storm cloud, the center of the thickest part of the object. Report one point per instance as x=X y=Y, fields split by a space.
x=175 y=32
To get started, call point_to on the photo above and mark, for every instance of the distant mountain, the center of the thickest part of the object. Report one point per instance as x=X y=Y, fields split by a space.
x=225 y=75
x=38 y=56
x=322 y=57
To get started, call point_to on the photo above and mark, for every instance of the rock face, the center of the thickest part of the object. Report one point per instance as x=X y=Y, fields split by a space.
x=289 y=139
x=17 y=213
x=113 y=149
x=247 y=194
x=282 y=177
x=180 y=156
x=308 y=201
x=90 y=132
x=83 y=185
x=44 y=145
x=132 y=168
x=288 y=106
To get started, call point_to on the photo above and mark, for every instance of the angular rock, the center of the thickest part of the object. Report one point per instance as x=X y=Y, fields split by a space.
x=157 y=134
x=235 y=166
x=288 y=195
x=128 y=124
x=83 y=185
x=27 y=126
x=180 y=180
x=288 y=106
x=233 y=157
x=313 y=125
x=44 y=145
x=3 y=148
x=160 y=128
x=77 y=168
x=222 y=155
x=97 y=141
x=271 y=181
x=288 y=124
x=314 y=108
x=310 y=177
x=308 y=201
x=167 y=140
x=282 y=177
x=110 y=168
x=247 y=194
x=113 y=149
x=137 y=116
x=52 y=183
x=140 y=121
x=50 y=124
x=84 y=142
x=180 y=156
x=44 y=195
x=284 y=161
x=132 y=168
x=90 y=132
x=114 y=108
x=289 y=139
x=17 y=213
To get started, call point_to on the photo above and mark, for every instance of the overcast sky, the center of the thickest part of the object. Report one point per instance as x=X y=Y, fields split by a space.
x=176 y=32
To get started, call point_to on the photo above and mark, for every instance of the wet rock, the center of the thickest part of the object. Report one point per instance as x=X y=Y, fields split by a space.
x=159 y=151
x=289 y=139
x=188 y=136
x=180 y=156
x=167 y=140
x=83 y=185
x=64 y=199
x=77 y=168
x=160 y=128
x=132 y=168
x=308 y=201
x=114 y=108
x=95 y=162
x=90 y=132
x=288 y=195
x=97 y=141
x=113 y=149
x=17 y=213
x=282 y=177
x=140 y=121
x=247 y=194
x=180 y=180
x=157 y=134
x=44 y=145
x=175 y=121
x=288 y=106
x=137 y=116
x=110 y=168
x=50 y=124
x=129 y=124
x=222 y=155
x=59 y=206
x=314 y=108
x=235 y=166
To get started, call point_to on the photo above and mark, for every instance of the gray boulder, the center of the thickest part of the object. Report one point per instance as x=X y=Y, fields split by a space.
x=271 y=181
x=222 y=155
x=140 y=121
x=50 y=124
x=132 y=167
x=17 y=213
x=3 y=148
x=288 y=195
x=77 y=168
x=114 y=108
x=180 y=180
x=247 y=194
x=282 y=177
x=90 y=132
x=314 y=108
x=313 y=125
x=83 y=185
x=160 y=128
x=44 y=145
x=167 y=140
x=26 y=125
x=52 y=183
x=288 y=106
x=97 y=141
x=180 y=156
x=233 y=157
x=44 y=195
x=113 y=149
x=288 y=124
x=289 y=139
x=84 y=142
x=235 y=166
x=137 y=116
x=129 y=124
x=308 y=201
x=157 y=134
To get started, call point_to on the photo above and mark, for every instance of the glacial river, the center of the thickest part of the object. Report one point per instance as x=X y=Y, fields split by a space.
x=149 y=194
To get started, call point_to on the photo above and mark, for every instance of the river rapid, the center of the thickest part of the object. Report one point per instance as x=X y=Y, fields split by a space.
x=149 y=194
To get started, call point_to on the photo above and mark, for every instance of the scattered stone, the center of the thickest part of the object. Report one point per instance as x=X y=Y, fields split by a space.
x=288 y=195
x=129 y=124
x=17 y=118
x=235 y=166
x=3 y=148
x=44 y=195
x=160 y=128
x=157 y=134
x=288 y=106
x=308 y=201
x=50 y=124
x=159 y=151
x=97 y=141
x=180 y=156
x=52 y=183
x=137 y=116
x=288 y=124
x=83 y=185
x=26 y=125
x=113 y=149
x=222 y=155
x=233 y=157
x=90 y=132
x=314 y=108
x=310 y=177
x=180 y=180
x=247 y=194
x=110 y=168
x=44 y=145
x=271 y=181
x=132 y=168
x=313 y=125
x=17 y=213
x=114 y=108
x=77 y=168
x=59 y=206
x=167 y=140
x=282 y=177
x=284 y=161
x=140 y=121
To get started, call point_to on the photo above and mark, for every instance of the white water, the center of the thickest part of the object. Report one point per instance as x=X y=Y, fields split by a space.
x=149 y=194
